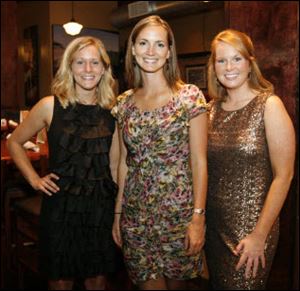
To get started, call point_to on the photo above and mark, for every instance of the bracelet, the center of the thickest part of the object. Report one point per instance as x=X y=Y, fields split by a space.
x=118 y=212
x=199 y=211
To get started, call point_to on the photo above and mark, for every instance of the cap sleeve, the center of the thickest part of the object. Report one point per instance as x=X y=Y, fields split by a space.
x=119 y=109
x=193 y=100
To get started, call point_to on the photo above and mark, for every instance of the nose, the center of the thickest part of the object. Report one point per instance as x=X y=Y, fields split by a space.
x=229 y=66
x=150 y=50
x=87 y=67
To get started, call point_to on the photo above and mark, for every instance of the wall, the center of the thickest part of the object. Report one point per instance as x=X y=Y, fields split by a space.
x=32 y=13
x=193 y=32
x=91 y=14
x=9 y=92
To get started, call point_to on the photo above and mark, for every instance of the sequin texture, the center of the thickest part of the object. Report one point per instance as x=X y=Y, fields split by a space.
x=240 y=175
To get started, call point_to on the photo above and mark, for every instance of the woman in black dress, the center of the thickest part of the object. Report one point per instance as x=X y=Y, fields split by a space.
x=78 y=208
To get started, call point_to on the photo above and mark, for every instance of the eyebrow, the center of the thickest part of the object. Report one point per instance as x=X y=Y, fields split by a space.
x=144 y=39
x=239 y=55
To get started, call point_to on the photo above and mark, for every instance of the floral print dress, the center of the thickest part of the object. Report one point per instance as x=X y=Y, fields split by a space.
x=158 y=195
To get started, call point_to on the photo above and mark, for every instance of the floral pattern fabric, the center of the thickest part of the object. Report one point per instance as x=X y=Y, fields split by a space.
x=158 y=196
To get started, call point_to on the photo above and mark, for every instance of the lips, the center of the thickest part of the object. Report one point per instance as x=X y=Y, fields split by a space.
x=88 y=77
x=150 y=61
x=231 y=76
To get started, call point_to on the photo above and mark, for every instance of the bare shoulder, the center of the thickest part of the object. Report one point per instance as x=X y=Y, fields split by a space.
x=274 y=101
x=276 y=114
x=274 y=105
x=44 y=109
x=45 y=104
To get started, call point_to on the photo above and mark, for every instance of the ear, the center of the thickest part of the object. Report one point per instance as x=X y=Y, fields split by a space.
x=103 y=71
x=169 y=53
x=133 y=50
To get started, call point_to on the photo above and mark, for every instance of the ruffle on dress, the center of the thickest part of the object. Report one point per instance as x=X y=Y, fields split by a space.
x=83 y=157
x=78 y=238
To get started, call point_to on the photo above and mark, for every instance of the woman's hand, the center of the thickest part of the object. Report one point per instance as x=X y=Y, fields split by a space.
x=45 y=184
x=195 y=235
x=116 y=233
x=251 y=251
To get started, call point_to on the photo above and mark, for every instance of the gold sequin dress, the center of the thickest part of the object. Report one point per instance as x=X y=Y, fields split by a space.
x=240 y=175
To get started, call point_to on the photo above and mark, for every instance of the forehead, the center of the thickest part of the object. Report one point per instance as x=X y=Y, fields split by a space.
x=153 y=31
x=223 y=48
x=89 y=50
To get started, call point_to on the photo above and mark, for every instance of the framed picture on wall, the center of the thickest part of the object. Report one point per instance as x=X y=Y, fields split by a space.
x=31 y=66
x=196 y=74
x=193 y=68
x=60 y=40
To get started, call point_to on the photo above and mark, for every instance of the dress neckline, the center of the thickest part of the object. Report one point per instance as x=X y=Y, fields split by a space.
x=158 y=109
x=86 y=105
x=239 y=109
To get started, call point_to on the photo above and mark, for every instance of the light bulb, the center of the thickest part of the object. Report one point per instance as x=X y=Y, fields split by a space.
x=72 y=27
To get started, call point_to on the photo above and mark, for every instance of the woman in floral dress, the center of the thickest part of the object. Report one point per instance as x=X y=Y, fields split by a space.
x=159 y=214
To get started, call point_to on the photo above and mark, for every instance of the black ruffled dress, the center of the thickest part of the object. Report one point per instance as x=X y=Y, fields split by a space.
x=76 y=222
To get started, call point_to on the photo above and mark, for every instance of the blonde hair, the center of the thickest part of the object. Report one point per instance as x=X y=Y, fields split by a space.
x=170 y=69
x=243 y=44
x=63 y=85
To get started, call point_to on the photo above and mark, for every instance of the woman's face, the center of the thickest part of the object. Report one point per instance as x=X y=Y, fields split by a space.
x=87 y=69
x=151 y=48
x=231 y=68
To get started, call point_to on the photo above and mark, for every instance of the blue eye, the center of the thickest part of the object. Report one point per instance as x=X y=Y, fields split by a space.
x=220 y=61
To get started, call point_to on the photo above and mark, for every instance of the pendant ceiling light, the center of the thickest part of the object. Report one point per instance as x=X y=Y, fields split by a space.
x=72 y=27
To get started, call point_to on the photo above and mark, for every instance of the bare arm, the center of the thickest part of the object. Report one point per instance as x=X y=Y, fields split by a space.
x=198 y=147
x=114 y=155
x=122 y=172
x=38 y=118
x=281 y=143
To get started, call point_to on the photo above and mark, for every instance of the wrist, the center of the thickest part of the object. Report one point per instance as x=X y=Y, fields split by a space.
x=199 y=211
x=262 y=235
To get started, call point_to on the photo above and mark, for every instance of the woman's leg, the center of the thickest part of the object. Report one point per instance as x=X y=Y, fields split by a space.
x=60 y=285
x=159 y=284
x=176 y=284
x=95 y=283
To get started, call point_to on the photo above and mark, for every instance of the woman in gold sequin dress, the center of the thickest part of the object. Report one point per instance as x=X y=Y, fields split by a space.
x=251 y=151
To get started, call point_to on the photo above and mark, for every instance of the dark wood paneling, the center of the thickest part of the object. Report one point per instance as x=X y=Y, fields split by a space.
x=9 y=55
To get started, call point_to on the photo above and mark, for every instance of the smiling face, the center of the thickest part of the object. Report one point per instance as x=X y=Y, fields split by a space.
x=87 y=69
x=231 y=68
x=151 y=48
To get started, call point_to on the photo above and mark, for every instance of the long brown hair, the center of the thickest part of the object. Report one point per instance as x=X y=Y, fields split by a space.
x=63 y=85
x=243 y=44
x=171 y=70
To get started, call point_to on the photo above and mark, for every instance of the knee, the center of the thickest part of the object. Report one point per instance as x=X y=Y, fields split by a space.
x=95 y=283
x=61 y=285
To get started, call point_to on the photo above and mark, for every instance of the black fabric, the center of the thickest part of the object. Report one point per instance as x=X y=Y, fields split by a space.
x=76 y=222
